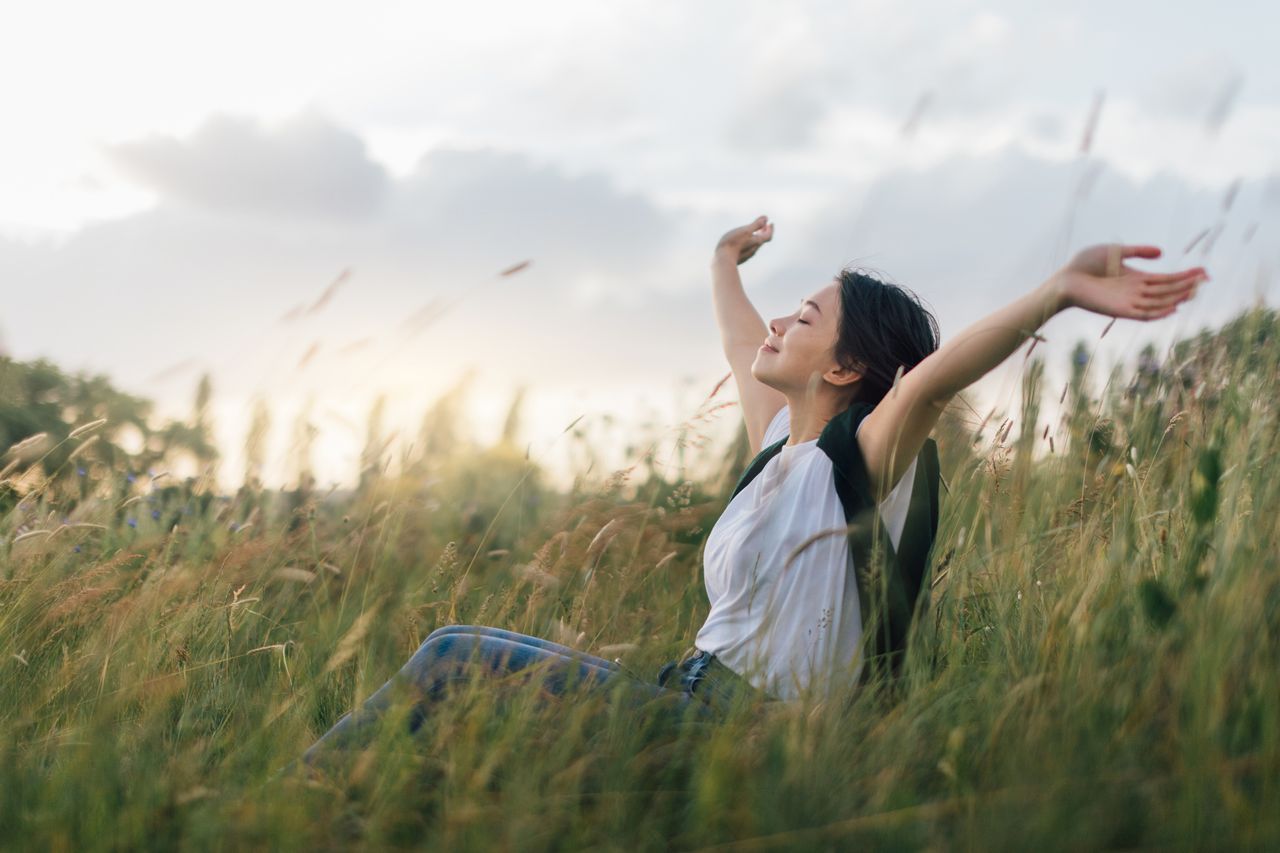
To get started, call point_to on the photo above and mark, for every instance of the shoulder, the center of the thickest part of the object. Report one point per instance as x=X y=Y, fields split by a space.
x=841 y=432
x=839 y=441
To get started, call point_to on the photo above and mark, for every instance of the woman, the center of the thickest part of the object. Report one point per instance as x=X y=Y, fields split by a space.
x=839 y=398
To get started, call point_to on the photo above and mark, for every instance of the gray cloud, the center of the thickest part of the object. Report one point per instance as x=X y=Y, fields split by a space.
x=306 y=166
x=1197 y=88
x=195 y=277
x=477 y=203
x=781 y=117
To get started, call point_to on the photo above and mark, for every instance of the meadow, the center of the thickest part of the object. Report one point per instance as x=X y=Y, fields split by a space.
x=1098 y=665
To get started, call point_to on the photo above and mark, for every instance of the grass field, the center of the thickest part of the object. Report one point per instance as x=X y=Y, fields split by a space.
x=1099 y=666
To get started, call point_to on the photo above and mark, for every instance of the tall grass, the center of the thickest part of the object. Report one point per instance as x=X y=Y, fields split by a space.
x=1097 y=667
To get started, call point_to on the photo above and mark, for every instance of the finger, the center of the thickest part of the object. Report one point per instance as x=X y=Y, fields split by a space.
x=1146 y=314
x=1167 y=287
x=1181 y=275
x=1161 y=302
x=1140 y=251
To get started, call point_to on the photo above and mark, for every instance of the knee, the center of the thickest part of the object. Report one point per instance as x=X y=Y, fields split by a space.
x=453 y=653
x=445 y=630
x=437 y=648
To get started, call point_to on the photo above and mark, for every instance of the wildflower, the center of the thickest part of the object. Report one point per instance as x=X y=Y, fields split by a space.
x=76 y=549
x=133 y=522
x=80 y=471
x=155 y=513
x=234 y=527
x=130 y=477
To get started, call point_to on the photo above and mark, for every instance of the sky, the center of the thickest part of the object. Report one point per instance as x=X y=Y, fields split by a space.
x=183 y=187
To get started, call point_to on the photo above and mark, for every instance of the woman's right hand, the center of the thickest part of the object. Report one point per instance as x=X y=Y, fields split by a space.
x=739 y=244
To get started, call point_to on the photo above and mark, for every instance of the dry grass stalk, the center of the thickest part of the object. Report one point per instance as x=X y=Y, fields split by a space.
x=29 y=446
x=346 y=647
x=81 y=430
x=661 y=564
x=291 y=573
x=84 y=446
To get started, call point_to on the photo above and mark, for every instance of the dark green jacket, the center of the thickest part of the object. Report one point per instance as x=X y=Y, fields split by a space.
x=887 y=608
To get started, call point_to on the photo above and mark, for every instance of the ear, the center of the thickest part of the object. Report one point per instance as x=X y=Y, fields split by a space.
x=843 y=376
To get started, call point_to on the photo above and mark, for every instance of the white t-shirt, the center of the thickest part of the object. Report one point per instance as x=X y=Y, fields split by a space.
x=786 y=628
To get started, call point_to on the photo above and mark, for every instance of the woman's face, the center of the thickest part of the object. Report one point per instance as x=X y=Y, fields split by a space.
x=800 y=348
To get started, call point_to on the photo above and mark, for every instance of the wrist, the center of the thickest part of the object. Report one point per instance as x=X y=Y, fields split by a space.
x=1054 y=292
x=725 y=254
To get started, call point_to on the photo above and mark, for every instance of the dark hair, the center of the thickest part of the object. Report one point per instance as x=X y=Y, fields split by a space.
x=882 y=326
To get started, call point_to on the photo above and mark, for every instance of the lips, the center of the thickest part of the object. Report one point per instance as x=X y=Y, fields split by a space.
x=770 y=347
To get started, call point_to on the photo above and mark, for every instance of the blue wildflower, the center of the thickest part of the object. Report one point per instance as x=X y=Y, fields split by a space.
x=155 y=513
x=80 y=471
x=133 y=522
x=130 y=477
x=76 y=549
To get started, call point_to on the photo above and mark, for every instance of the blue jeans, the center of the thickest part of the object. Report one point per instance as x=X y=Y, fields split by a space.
x=451 y=653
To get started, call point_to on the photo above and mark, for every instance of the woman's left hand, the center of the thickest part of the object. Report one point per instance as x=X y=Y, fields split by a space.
x=1098 y=280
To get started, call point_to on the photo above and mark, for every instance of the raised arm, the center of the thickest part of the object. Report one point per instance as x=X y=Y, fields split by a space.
x=742 y=329
x=1096 y=279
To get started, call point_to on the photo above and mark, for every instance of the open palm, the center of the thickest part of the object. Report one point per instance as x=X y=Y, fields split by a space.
x=1097 y=279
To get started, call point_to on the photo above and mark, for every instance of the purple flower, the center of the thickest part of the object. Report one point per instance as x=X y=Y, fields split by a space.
x=133 y=522
x=76 y=549
x=80 y=471
x=155 y=513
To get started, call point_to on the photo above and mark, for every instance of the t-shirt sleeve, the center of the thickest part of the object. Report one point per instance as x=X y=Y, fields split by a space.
x=894 y=506
x=778 y=427
x=893 y=509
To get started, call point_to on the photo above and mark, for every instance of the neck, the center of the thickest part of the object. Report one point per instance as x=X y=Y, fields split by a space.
x=810 y=414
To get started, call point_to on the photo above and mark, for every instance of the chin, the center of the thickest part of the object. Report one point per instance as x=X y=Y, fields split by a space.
x=759 y=375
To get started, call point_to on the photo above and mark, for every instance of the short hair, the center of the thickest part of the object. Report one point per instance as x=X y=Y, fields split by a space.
x=883 y=326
